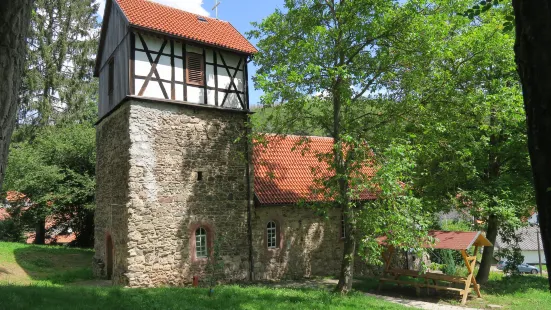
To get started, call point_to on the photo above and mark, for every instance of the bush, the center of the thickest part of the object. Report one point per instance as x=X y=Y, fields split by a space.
x=11 y=231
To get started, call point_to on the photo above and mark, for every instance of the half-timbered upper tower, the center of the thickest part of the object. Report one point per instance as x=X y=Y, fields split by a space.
x=171 y=180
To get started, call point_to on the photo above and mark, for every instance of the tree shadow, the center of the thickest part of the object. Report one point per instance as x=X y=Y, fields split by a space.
x=516 y=284
x=56 y=264
x=71 y=297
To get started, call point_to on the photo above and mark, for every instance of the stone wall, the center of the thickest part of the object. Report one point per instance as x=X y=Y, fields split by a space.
x=186 y=171
x=112 y=167
x=310 y=244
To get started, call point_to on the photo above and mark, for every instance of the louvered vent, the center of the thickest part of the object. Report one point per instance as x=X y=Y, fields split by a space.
x=195 y=69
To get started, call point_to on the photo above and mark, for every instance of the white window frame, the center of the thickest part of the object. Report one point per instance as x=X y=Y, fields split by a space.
x=201 y=245
x=271 y=235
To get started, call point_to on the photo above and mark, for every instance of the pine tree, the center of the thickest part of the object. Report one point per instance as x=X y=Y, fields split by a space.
x=58 y=84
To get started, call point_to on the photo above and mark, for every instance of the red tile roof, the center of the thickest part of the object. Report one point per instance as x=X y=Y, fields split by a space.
x=4 y=214
x=283 y=170
x=165 y=19
x=453 y=240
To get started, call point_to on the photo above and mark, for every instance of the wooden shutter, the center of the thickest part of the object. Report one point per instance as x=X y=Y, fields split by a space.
x=195 y=71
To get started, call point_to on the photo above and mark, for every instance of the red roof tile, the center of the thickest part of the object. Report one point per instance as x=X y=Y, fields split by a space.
x=165 y=19
x=283 y=170
x=453 y=240
x=4 y=214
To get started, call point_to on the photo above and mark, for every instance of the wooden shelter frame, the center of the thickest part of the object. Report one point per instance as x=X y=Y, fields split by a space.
x=393 y=275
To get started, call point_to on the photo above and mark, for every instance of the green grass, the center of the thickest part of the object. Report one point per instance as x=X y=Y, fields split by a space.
x=24 y=263
x=42 y=276
x=225 y=297
x=526 y=292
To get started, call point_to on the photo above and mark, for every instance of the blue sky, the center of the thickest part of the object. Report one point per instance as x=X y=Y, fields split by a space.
x=240 y=13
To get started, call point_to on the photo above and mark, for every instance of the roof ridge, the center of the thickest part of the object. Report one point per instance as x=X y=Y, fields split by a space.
x=291 y=135
x=188 y=12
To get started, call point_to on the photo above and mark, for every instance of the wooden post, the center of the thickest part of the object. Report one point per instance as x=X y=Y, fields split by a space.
x=470 y=262
x=387 y=260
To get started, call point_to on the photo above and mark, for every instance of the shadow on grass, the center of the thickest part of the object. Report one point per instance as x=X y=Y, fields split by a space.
x=56 y=264
x=515 y=284
x=226 y=297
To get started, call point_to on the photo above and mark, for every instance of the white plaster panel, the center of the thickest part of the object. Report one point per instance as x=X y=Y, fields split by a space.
x=179 y=92
x=179 y=67
x=232 y=101
x=141 y=64
x=210 y=75
x=168 y=89
x=223 y=78
x=195 y=94
x=194 y=49
x=153 y=90
x=211 y=97
x=138 y=42
x=208 y=55
x=230 y=59
x=178 y=49
x=164 y=68
x=221 y=95
x=154 y=43
x=138 y=85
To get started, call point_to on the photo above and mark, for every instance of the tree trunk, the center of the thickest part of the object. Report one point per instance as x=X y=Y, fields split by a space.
x=532 y=55
x=40 y=232
x=347 y=266
x=488 y=253
x=14 y=23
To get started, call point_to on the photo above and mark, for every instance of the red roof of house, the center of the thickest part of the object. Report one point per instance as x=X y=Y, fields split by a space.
x=165 y=19
x=4 y=214
x=453 y=240
x=283 y=169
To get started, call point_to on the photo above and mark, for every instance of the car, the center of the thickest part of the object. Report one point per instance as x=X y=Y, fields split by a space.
x=523 y=268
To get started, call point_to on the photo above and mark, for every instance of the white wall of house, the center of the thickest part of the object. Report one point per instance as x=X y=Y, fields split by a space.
x=531 y=257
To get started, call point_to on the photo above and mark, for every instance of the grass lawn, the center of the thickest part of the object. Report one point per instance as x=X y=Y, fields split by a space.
x=522 y=292
x=40 y=277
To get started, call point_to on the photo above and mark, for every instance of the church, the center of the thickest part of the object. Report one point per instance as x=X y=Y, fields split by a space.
x=175 y=174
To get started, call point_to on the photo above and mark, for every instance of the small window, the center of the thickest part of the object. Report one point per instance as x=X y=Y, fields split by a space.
x=111 y=78
x=200 y=242
x=272 y=235
x=195 y=71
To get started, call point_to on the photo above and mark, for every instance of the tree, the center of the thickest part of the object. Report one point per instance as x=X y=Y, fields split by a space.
x=471 y=129
x=58 y=83
x=320 y=65
x=56 y=172
x=532 y=50
x=14 y=20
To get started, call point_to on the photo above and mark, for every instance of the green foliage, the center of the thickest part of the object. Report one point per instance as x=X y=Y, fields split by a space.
x=449 y=262
x=11 y=231
x=56 y=171
x=321 y=68
x=456 y=225
x=215 y=265
x=58 y=84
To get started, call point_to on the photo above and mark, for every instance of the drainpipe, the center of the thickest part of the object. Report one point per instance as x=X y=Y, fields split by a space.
x=249 y=206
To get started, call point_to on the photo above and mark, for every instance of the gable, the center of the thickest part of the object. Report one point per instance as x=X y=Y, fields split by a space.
x=114 y=29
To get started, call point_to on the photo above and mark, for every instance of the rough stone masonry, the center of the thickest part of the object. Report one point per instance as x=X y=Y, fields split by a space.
x=166 y=169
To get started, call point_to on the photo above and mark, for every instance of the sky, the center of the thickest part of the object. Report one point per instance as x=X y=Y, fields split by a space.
x=240 y=13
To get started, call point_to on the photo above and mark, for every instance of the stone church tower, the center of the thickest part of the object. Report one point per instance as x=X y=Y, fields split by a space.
x=172 y=178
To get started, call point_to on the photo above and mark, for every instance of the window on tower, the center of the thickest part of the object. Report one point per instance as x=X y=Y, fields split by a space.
x=195 y=73
x=201 y=249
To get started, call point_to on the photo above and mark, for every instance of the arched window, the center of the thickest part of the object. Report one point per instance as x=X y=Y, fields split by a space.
x=271 y=230
x=201 y=242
